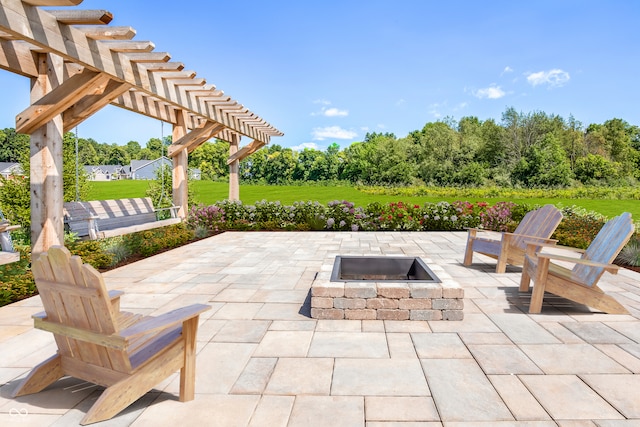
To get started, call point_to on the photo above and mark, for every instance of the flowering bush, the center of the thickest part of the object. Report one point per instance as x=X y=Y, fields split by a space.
x=208 y=217
x=497 y=217
x=578 y=227
x=343 y=215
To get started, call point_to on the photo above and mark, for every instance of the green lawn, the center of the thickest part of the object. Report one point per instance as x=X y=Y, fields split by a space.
x=207 y=192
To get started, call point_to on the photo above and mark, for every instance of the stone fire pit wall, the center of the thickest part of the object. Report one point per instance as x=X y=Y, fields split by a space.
x=386 y=301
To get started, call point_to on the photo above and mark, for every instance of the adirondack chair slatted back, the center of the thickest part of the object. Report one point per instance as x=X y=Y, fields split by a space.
x=608 y=243
x=74 y=295
x=540 y=223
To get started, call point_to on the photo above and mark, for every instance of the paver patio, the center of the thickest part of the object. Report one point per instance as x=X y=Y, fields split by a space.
x=262 y=361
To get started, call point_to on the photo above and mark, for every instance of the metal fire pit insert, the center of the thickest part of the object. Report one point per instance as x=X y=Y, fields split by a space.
x=381 y=269
x=384 y=288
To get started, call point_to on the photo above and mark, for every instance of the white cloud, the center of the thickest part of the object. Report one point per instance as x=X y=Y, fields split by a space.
x=334 y=112
x=506 y=70
x=400 y=102
x=304 y=145
x=434 y=110
x=553 y=78
x=322 y=102
x=332 y=132
x=491 y=92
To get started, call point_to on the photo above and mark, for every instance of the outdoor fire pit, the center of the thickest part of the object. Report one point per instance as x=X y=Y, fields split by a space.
x=384 y=288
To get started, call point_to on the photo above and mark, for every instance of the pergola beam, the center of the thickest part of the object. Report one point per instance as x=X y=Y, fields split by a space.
x=59 y=99
x=194 y=138
x=246 y=151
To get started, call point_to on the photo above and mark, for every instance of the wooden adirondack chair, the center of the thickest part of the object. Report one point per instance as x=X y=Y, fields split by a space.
x=124 y=352
x=509 y=248
x=578 y=283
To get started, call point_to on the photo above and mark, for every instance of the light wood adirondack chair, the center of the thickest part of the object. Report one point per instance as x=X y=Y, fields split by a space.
x=578 y=283
x=124 y=352
x=509 y=248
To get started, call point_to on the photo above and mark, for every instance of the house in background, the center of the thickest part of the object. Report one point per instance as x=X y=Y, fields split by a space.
x=106 y=172
x=194 y=174
x=10 y=168
x=146 y=169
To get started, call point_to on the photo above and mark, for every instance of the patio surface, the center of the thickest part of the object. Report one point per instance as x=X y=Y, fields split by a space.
x=263 y=362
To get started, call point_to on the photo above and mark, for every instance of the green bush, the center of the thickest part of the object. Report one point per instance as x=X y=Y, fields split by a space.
x=92 y=252
x=16 y=279
x=578 y=227
x=150 y=242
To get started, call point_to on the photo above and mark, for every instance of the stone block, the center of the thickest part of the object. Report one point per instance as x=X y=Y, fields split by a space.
x=415 y=304
x=327 y=289
x=378 y=303
x=327 y=313
x=452 y=315
x=351 y=303
x=360 y=314
x=425 y=315
x=426 y=290
x=452 y=290
x=387 y=314
x=447 y=304
x=321 y=302
x=360 y=290
x=393 y=290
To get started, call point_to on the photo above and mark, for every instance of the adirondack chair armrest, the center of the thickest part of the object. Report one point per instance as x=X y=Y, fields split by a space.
x=553 y=245
x=611 y=268
x=164 y=321
x=115 y=299
x=534 y=239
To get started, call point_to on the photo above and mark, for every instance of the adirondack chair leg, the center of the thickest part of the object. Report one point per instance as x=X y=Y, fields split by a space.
x=40 y=377
x=117 y=397
x=535 y=306
x=501 y=266
x=468 y=253
x=188 y=371
x=525 y=279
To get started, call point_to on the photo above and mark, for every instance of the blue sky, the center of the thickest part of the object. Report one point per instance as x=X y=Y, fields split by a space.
x=331 y=71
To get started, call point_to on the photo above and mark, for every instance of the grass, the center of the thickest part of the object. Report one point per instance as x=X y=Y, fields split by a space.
x=207 y=192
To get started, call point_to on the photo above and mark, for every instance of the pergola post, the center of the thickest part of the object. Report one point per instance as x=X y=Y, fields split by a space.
x=234 y=168
x=180 y=167
x=47 y=227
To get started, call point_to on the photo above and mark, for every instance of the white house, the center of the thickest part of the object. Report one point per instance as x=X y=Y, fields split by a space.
x=9 y=168
x=105 y=172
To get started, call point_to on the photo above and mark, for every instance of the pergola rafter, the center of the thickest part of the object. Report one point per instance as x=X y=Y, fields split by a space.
x=79 y=65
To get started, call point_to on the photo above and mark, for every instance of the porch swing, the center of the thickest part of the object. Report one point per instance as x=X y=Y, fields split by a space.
x=99 y=219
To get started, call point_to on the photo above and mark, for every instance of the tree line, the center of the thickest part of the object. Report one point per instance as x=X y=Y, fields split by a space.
x=532 y=149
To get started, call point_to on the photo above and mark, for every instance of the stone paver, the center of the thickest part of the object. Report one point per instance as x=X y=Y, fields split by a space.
x=568 y=397
x=262 y=361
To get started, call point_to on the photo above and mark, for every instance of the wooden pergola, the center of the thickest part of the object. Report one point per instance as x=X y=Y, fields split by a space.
x=77 y=65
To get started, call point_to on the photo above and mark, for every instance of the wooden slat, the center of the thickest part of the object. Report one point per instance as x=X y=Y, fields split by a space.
x=91 y=104
x=107 y=33
x=81 y=17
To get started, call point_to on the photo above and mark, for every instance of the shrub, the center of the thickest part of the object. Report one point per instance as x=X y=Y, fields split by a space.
x=150 y=242
x=206 y=217
x=91 y=252
x=630 y=254
x=578 y=227
x=343 y=215
x=16 y=279
x=497 y=217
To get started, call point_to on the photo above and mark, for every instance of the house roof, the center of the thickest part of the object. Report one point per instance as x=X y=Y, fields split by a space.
x=6 y=166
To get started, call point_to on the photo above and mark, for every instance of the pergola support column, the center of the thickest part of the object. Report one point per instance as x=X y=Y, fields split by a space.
x=180 y=167
x=234 y=168
x=47 y=228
